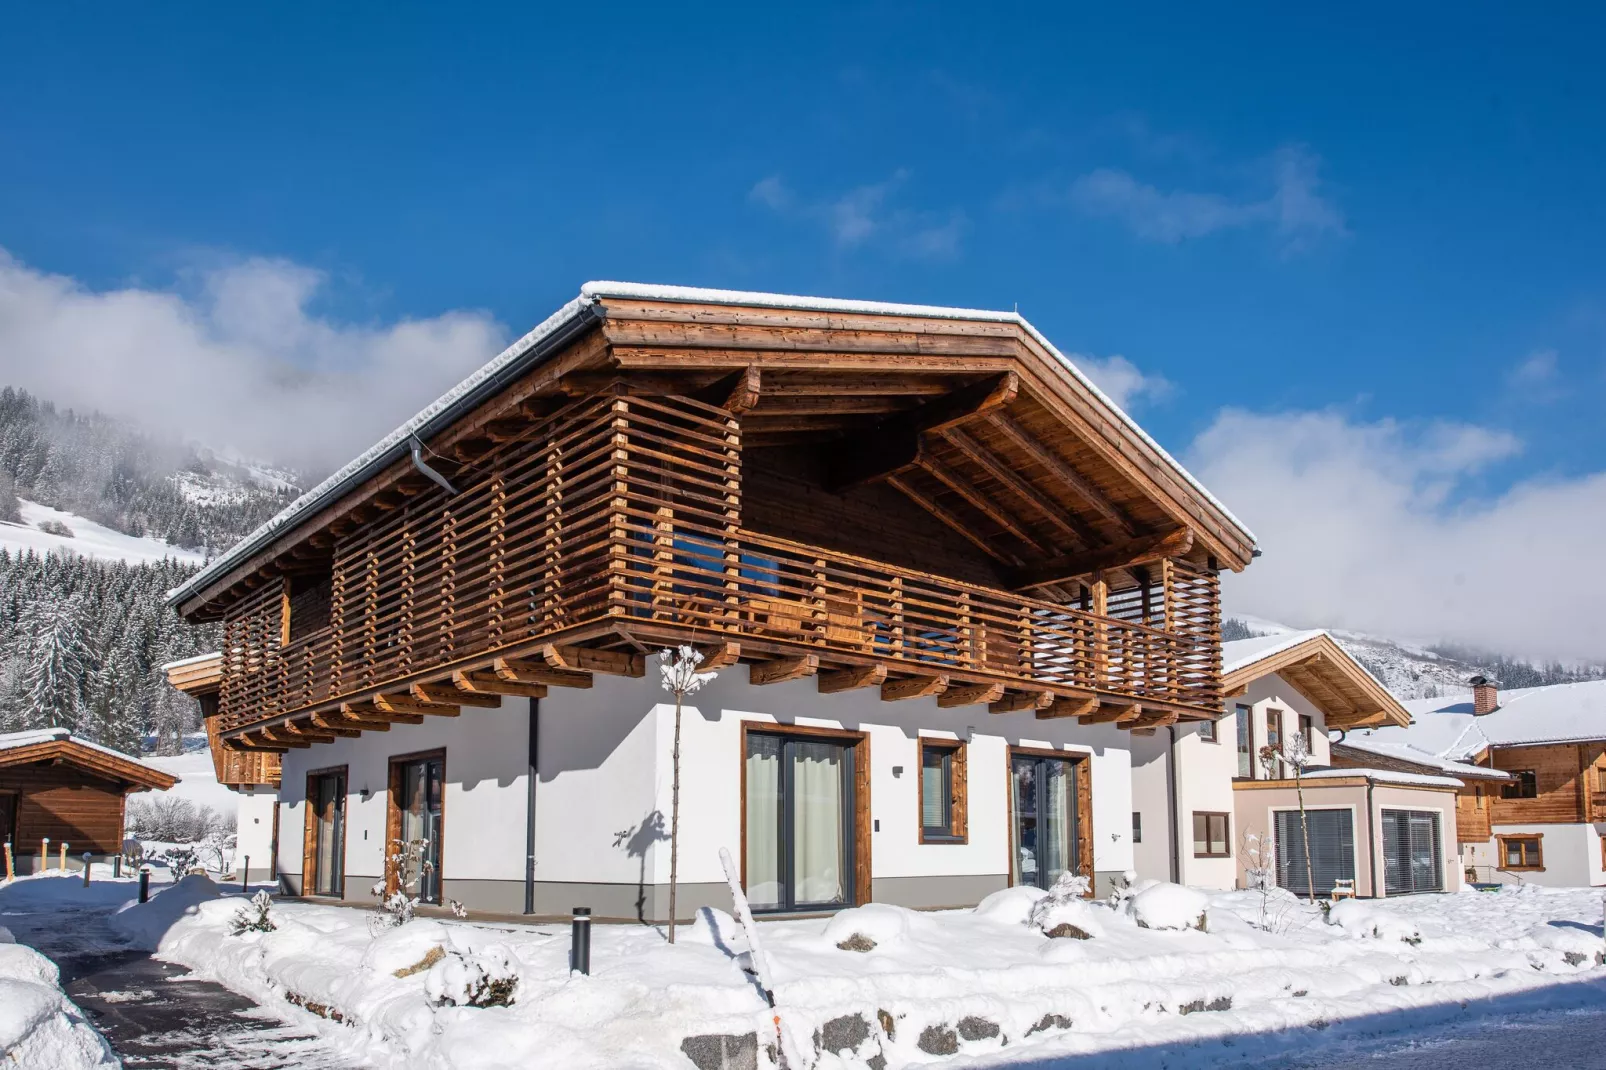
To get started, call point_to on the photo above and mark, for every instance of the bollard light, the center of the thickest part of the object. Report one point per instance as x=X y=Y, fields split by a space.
x=245 y=875
x=117 y=864
x=145 y=885
x=86 y=869
x=580 y=940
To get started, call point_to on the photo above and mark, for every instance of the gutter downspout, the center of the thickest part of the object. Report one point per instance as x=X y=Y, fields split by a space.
x=423 y=465
x=1371 y=840
x=529 y=812
x=1172 y=802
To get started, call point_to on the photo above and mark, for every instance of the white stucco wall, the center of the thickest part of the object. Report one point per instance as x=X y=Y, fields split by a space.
x=1571 y=854
x=253 y=828
x=1265 y=697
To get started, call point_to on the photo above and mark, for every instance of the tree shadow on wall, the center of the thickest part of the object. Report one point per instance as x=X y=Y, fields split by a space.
x=635 y=842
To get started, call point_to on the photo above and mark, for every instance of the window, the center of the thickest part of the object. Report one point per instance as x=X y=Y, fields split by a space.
x=1412 y=858
x=942 y=792
x=1137 y=827
x=1210 y=835
x=1522 y=785
x=1331 y=834
x=1207 y=732
x=324 y=858
x=306 y=605
x=415 y=825
x=1307 y=731
x=1246 y=757
x=1274 y=729
x=1521 y=852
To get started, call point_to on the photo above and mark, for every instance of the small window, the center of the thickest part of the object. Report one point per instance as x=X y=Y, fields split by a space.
x=1522 y=785
x=1520 y=852
x=1137 y=827
x=1307 y=731
x=942 y=792
x=1209 y=835
x=1246 y=750
x=1207 y=732
x=1274 y=729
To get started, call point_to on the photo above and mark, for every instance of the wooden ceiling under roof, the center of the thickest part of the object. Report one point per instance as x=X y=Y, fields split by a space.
x=1321 y=670
x=973 y=421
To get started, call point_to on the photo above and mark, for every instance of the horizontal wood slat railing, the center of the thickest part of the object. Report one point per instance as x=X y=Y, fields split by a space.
x=626 y=512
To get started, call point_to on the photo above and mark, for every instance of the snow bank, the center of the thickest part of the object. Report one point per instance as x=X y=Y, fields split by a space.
x=1011 y=906
x=39 y=1026
x=1169 y=906
x=878 y=924
x=1368 y=920
x=146 y=923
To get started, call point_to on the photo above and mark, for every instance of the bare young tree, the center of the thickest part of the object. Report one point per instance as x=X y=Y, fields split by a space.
x=1296 y=755
x=680 y=678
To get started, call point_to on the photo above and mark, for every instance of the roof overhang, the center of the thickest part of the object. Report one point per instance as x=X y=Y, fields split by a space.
x=1322 y=671
x=202 y=675
x=91 y=760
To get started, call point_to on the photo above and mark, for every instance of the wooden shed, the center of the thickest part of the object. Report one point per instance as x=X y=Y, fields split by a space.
x=69 y=791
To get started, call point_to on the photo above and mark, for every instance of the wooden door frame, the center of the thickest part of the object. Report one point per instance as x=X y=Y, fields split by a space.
x=859 y=744
x=309 y=834
x=1084 y=805
x=393 y=821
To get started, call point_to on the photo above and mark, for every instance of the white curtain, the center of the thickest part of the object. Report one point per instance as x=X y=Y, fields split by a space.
x=763 y=821
x=817 y=823
x=1055 y=821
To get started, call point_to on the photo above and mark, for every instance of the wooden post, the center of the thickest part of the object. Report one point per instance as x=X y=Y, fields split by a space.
x=11 y=864
x=62 y=865
x=967 y=636
x=44 y=853
x=663 y=563
x=733 y=520
x=1101 y=629
x=618 y=505
x=496 y=577
x=897 y=616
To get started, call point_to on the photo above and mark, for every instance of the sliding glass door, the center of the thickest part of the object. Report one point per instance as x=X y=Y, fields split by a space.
x=326 y=800
x=800 y=807
x=1412 y=859
x=1046 y=828
x=420 y=804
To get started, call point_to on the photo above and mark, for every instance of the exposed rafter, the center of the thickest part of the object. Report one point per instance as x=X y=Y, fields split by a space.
x=1062 y=470
x=983 y=503
x=852 y=679
x=894 y=443
x=914 y=687
x=970 y=695
x=736 y=393
x=783 y=669
x=994 y=466
x=1142 y=551
x=931 y=506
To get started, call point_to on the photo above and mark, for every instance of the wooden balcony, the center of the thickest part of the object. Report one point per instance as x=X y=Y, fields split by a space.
x=619 y=533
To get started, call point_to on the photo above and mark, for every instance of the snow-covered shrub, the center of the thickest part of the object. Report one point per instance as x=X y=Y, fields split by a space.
x=172 y=819
x=1123 y=888
x=714 y=926
x=52 y=526
x=1363 y=919
x=410 y=862
x=1066 y=911
x=181 y=860
x=486 y=978
x=1011 y=906
x=870 y=926
x=254 y=917
x=1169 y=906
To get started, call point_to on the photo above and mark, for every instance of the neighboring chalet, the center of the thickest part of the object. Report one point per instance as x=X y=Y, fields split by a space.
x=941 y=576
x=253 y=775
x=1546 y=823
x=1221 y=789
x=67 y=790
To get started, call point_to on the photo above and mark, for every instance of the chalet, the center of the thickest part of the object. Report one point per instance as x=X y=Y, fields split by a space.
x=69 y=792
x=253 y=775
x=941 y=576
x=1201 y=790
x=1544 y=823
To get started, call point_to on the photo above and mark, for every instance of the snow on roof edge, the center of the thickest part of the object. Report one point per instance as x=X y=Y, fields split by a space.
x=589 y=292
x=1387 y=776
x=196 y=660
x=1386 y=749
x=28 y=737
x=1289 y=640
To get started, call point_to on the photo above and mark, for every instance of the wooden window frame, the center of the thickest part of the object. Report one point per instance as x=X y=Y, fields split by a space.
x=1226 y=834
x=860 y=744
x=958 y=789
x=393 y=817
x=1084 y=805
x=1211 y=734
x=1516 y=783
x=1307 y=729
x=1248 y=712
x=1538 y=865
x=309 y=835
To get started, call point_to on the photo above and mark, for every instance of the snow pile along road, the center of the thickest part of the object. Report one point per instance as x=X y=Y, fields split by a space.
x=1202 y=977
x=39 y=1026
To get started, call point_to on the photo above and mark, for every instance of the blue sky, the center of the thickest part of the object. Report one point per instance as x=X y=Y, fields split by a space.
x=1387 y=220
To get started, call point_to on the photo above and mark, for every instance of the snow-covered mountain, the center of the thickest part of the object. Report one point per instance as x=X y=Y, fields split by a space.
x=47 y=531
x=1415 y=671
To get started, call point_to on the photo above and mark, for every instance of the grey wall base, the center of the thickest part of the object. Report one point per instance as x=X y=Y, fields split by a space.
x=936 y=893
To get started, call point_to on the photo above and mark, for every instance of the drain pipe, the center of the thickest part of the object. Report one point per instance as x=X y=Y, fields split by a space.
x=529 y=811
x=1172 y=801
x=423 y=466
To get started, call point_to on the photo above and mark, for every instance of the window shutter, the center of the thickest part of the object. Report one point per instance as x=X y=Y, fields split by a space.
x=1332 y=849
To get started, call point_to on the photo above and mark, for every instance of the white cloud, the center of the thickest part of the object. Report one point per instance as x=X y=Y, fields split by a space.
x=1372 y=527
x=1538 y=376
x=241 y=365
x=1293 y=208
x=1123 y=381
x=864 y=215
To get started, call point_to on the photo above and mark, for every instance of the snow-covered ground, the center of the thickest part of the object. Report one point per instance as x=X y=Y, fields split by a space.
x=39 y=1026
x=88 y=538
x=883 y=986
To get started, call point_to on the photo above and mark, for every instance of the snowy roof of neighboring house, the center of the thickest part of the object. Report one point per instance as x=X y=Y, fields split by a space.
x=1319 y=668
x=1387 y=776
x=1556 y=713
x=563 y=325
x=41 y=743
x=1404 y=752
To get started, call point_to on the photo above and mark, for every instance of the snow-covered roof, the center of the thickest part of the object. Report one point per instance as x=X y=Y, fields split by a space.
x=28 y=738
x=1387 y=776
x=1243 y=652
x=196 y=660
x=556 y=328
x=1447 y=727
x=125 y=763
x=1404 y=752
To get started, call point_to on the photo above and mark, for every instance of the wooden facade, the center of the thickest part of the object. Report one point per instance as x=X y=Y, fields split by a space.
x=1569 y=784
x=202 y=679
x=928 y=505
x=70 y=792
x=1474 y=802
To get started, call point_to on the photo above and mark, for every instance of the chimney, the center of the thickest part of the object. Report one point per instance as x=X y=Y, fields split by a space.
x=1485 y=695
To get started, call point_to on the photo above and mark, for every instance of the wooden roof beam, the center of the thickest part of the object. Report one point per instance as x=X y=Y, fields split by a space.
x=913 y=687
x=586 y=659
x=973 y=494
x=1067 y=522
x=782 y=669
x=1112 y=713
x=718 y=656
x=1061 y=469
x=1070 y=707
x=446 y=694
x=852 y=678
x=1013 y=701
x=970 y=695
x=1141 y=551
x=488 y=683
x=367 y=711
x=525 y=671
x=404 y=702
x=894 y=444
x=930 y=505
x=736 y=393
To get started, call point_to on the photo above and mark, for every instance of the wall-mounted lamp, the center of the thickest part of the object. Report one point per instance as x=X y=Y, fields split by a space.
x=897 y=770
x=363 y=794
